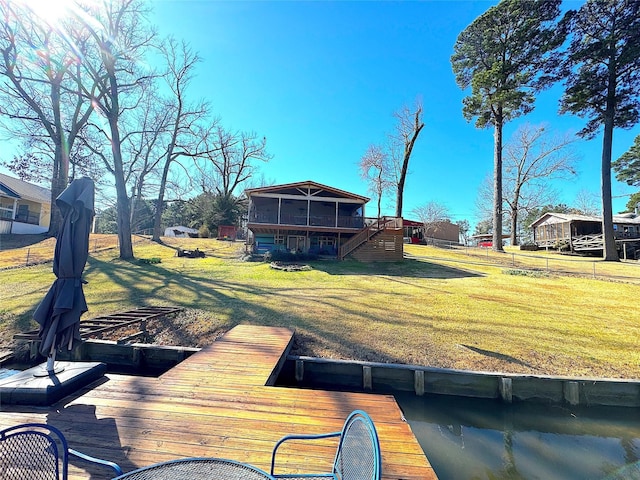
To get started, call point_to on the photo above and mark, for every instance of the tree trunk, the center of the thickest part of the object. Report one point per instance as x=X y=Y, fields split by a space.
x=610 y=252
x=609 y=243
x=157 y=219
x=123 y=219
x=497 y=183
x=60 y=178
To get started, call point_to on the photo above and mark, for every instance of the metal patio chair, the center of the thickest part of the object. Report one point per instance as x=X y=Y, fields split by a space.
x=35 y=451
x=357 y=457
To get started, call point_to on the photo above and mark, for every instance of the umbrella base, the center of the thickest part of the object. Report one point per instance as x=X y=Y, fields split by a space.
x=26 y=388
x=44 y=371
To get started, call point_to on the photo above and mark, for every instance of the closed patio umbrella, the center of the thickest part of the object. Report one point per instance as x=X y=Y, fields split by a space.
x=59 y=312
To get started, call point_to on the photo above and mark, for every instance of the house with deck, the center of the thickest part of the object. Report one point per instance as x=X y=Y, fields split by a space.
x=583 y=233
x=25 y=208
x=308 y=217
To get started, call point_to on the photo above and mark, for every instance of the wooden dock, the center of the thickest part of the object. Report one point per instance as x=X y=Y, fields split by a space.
x=220 y=402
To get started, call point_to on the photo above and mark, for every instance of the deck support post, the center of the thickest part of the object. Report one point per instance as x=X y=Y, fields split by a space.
x=136 y=356
x=299 y=370
x=506 y=389
x=572 y=393
x=367 y=382
x=418 y=382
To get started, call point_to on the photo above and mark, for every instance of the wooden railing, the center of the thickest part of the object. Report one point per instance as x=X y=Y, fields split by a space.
x=364 y=235
x=588 y=242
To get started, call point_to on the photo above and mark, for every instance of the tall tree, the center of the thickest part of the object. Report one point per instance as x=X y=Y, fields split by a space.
x=505 y=56
x=533 y=158
x=120 y=39
x=38 y=94
x=376 y=170
x=602 y=72
x=627 y=167
x=187 y=138
x=408 y=128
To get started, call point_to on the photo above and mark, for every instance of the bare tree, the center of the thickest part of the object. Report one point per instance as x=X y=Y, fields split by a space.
x=409 y=126
x=587 y=203
x=433 y=216
x=376 y=169
x=39 y=96
x=230 y=160
x=532 y=159
x=187 y=137
x=120 y=38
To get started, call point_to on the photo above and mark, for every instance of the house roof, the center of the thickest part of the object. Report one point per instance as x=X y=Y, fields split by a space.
x=552 y=217
x=305 y=184
x=16 y=188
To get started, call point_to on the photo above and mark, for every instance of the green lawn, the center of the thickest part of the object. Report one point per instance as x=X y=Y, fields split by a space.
x=440 y=308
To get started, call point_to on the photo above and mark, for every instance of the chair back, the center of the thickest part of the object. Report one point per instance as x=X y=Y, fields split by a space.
x=358 y=456
x=33 y=451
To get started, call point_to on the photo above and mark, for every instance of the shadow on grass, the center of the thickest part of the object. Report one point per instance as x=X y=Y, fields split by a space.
x=8 y=242
x=499 y=356
x=229 y=304
x=406 y=268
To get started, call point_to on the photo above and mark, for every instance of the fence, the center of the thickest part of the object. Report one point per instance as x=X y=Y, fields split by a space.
x=543 y=261
x=42 y=252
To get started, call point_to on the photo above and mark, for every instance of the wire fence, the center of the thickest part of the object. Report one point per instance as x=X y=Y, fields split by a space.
x=546 y=261
x=42 y=252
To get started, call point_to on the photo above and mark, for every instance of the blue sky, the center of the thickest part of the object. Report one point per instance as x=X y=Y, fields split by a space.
x=321 y=81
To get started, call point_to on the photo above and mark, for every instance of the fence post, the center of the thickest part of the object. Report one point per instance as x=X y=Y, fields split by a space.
x=594 y=269
x=513 y=259
x=547 y=264
x=28 y=252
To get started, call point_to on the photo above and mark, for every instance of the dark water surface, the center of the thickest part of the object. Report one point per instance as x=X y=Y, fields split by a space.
x=485 y=439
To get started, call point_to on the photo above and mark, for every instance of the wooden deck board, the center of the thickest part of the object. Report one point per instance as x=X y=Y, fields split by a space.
x=216 y=404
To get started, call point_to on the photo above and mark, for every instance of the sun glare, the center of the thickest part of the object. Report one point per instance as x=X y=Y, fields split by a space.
x=51 y=11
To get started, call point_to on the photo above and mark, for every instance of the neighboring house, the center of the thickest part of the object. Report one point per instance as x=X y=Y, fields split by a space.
x=431 y=232
x=582 y=233
x=308 y=217
x=24 y=207
x=180 y=231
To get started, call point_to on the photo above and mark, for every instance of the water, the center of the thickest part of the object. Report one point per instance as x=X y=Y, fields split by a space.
x=484 y=439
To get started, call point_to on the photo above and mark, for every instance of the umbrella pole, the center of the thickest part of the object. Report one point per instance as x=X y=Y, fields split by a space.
x=51 y=359
x=49 y=369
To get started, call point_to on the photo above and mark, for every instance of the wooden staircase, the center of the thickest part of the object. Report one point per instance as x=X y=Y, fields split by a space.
x=367 y=233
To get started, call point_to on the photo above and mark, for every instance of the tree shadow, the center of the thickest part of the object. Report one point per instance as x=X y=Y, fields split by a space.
x=499 y=356
x=409 y=267
x=11 y=241
x=236 y=303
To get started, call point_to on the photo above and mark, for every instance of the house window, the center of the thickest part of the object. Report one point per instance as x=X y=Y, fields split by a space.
x=6 y=210
x=326 y=241
x=278 y=239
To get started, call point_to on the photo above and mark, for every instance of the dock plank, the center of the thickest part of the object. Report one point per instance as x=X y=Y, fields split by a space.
x=218 y=403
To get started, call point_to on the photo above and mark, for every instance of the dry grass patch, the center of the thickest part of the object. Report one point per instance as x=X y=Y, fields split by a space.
x=444 y=310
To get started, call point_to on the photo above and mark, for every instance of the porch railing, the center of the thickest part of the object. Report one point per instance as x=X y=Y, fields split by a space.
x=342 y=221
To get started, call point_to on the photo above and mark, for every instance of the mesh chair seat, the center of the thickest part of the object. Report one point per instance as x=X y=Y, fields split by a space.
x=357 y=457
x=36 y=451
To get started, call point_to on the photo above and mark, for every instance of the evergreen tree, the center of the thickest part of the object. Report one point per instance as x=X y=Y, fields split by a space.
x=627 y=167
x=505 y=56
x=602 y=71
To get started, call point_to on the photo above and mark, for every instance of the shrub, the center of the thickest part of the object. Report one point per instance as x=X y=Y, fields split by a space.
x=204 y=232
x=149 y=261
x=525 y=273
